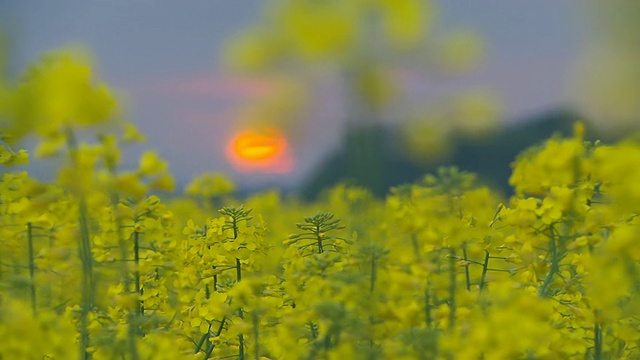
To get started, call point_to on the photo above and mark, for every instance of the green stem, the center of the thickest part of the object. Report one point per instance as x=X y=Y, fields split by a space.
x=238 y=279
x=221 y=327
x=238 y=270
x=374 y=274
x=240 y=339
x=427 y=305
x=597 y=339
x=372 y=283
x=87 y=280
x=210 y=345
x=467 y=276
x=554 y=263
x=84 y=249
x=85 y=252
x=32 y=267
x=136 y=273
x=452 y=289
x=215 y=280
x=240 y=312
x=256 y=333
x=210 y=348
x=416 y=246
x=202 y=339
x=485 y=268
x=132 y=317
x=320 y=249
x=235 y=227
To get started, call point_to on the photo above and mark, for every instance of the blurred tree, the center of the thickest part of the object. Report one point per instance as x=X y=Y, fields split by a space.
x=490 y=157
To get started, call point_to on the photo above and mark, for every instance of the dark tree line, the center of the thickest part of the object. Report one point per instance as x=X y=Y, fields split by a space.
x=373 y=156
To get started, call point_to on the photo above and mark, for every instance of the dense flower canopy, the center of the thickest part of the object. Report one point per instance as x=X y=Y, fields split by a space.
x=101 y=264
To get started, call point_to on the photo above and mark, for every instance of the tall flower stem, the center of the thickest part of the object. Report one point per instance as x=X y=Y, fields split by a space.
x=256 y=334
x=427 y=305
x=133 y=317
x=485 y=268
x=452 y=289
x=237 y=215
x=84 y=250
x=32 y=268
x=136 y=272
x=554 y=262
x=597 y=337
x=467 y=276
x=240 y=312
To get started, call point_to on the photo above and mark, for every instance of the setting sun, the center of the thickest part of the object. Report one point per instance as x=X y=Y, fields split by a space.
x=259 y=151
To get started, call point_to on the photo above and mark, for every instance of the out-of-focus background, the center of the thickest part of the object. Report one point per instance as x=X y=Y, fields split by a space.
x=301 y=94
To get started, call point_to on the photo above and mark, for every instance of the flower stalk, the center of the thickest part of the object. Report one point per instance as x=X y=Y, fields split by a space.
x=554 y=262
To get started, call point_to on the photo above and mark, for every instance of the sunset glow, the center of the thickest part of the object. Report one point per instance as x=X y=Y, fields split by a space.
x=259 y=151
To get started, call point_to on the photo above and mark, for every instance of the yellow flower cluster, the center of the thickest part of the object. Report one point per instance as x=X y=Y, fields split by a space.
x=312 y=30
x=97 y=267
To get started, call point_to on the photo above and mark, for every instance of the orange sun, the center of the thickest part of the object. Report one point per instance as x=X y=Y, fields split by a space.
x=265 y=151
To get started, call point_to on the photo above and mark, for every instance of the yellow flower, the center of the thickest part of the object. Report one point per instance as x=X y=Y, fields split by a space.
x=129 y=183
x=404 y=21
x=11 y=158
x=131 y=134
x=164 y=183
x=210 y=184
x=59 y=92
x=151 y=164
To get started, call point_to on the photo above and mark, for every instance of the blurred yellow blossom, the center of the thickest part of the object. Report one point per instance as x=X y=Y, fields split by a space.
x=209 y=185
x=58 y=92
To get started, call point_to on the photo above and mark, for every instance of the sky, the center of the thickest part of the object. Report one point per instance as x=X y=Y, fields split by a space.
x=164 y=60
